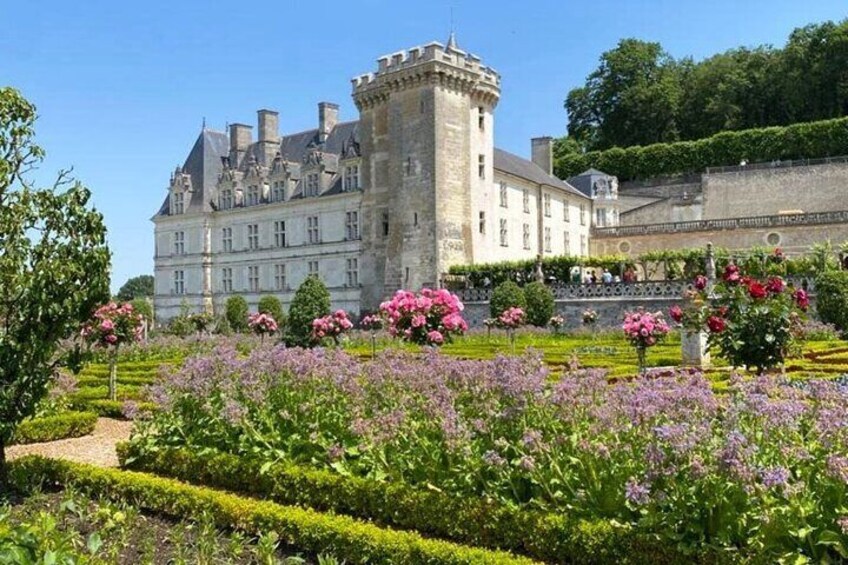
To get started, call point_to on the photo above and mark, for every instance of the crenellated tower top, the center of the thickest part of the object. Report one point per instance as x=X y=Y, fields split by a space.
x=434 y=64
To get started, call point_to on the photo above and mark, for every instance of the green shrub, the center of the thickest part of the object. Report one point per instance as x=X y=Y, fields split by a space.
x=809 y=140
x=303 y=529
x=540 y=304
x=180 y=326
x=832 y=299
x=112 y=408
x=506 y=295
x=271 y=305
x=143 y=307
x=312 y=300
x=51 y=428
x=236 y=312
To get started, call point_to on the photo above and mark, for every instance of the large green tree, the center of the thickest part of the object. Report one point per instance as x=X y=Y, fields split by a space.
x=136 y=287
x=54 y=268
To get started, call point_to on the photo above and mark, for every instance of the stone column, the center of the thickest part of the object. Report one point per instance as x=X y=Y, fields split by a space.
x=206 y=265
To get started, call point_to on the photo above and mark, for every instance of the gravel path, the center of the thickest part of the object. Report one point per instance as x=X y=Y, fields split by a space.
x=96 y=449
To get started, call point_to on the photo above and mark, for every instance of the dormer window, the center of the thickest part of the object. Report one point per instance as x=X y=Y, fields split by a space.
x=351 y=178
x=312 y=184
x=178 y=203
x=252 y=195
x=278 y=191
x=226 y=199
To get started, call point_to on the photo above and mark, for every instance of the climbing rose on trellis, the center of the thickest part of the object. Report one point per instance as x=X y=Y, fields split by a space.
x=432 y=317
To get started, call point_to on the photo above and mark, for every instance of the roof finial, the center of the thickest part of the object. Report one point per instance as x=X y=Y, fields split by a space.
x=204 y=123
x=452 y=36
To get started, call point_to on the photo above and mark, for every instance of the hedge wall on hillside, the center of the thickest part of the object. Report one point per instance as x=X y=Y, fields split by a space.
x=811 y=140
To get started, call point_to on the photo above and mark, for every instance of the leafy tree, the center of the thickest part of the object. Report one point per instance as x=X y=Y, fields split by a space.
x=136 y=287
x=270 y=304
x=506 y=295
x=236 y=313
x=311 y=301
x=540 y=304
x=54 y=269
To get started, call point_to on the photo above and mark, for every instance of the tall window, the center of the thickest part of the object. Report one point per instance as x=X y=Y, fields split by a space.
x=179 y=243
x=278 y=191
x=280 y=276
x=601 y=217
x=179 y=282
x=351 y=178
x=526 y=197
x=566 y=243
x=504 y=234
x=385 y=223
x=312 y=233
x=481 y=117
x=253 y=195
x=481 y=166
x=482 y=227
x=253 y=236
x=353 y=272
x=227 y=279
x=526 y=236
x=583 y=245
x=547 y=205
x=227 y=239
x=226 y=200
x=177 y=201
x=565 y=213
x=582 y=214
x=280 y=233
x=312 y=184
x=253 y=278
x=503 y=195
x=548 y=240
x=352 y=225
x=312 y=268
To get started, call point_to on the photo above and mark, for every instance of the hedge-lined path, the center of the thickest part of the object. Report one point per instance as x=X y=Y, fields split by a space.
x=95 y=449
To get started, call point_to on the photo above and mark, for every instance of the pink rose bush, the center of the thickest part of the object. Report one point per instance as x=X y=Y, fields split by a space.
x=331 y=326
x=262 y=324
x=512 y=318
x=644 y=330
x=113 y=325
x=372 y=323
x=430 y=317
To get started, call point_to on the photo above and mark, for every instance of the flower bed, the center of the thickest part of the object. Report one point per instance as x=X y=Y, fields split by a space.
x=665 y=455
x=51 y=428
x=300 y=528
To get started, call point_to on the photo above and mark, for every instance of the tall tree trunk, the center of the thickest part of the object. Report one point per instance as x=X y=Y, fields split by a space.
x=113 y=375
x=4 y=471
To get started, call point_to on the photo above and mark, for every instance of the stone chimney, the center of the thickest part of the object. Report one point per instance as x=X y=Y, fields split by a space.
x=241 y=137
x=542 y=153
x=269 y=135
x=269 y=125
x=328 y=117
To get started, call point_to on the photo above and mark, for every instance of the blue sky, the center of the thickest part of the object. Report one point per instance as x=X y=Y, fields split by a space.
x=122 y=87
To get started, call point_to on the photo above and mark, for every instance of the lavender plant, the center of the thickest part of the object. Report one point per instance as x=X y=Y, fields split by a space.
x=761 y=470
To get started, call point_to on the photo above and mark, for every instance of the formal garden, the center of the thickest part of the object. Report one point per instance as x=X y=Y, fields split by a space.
x=404 y=436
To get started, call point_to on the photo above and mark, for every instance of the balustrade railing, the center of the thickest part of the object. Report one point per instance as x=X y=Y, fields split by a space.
x=777 y=220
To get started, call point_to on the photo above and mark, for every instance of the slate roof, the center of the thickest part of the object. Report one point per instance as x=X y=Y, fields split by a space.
x=204 y=165
x=522 y=168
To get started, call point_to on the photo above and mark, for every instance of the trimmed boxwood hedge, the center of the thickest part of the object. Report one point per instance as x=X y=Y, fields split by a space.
x=544 y=536
x=302 y=529
x=110 y=408
x=51 y=428
x=811 y=140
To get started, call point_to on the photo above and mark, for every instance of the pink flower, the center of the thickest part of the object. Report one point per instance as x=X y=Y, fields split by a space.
x=801 y=299
x=436 y=337
x=701 y=282
x=676 y=313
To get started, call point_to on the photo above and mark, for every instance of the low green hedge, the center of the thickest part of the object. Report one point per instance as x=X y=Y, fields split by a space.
x=51 y=428
x=544 y=536
x=810 y=140
x=109 y=408
x=303 y=529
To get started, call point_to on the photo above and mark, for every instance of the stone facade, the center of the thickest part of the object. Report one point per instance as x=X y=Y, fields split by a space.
x=389 y=201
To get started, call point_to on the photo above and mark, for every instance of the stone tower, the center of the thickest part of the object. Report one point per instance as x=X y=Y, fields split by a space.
x=427 y=145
